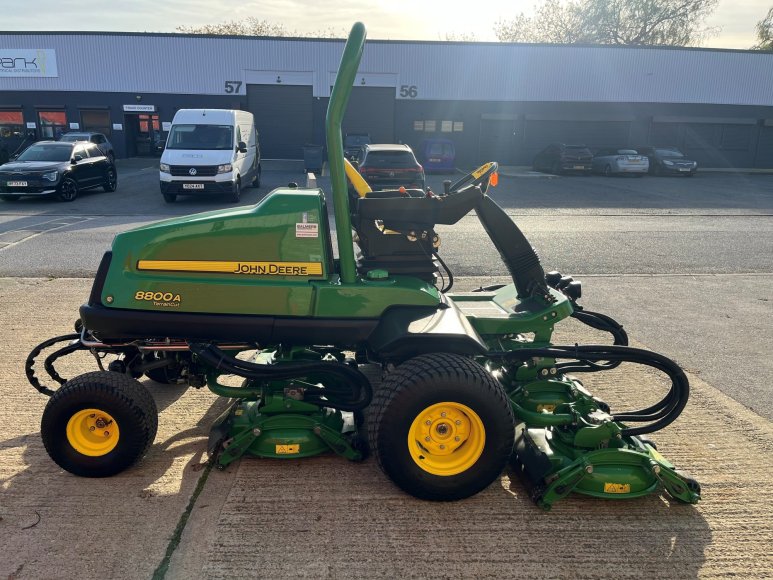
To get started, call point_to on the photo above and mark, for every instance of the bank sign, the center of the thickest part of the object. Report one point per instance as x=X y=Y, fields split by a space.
x=16 y=62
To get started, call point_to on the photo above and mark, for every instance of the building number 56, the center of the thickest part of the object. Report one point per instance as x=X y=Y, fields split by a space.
x=408 y=92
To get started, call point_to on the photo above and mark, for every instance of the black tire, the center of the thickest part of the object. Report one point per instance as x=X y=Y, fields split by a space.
x=68 y=189
x=236 y=194
x=256 y=179
x=608 y=171
x=556 y=168
x=111 y=180
x=124 y=399
x=9 y=197
x=431 y=382
x=170 y=197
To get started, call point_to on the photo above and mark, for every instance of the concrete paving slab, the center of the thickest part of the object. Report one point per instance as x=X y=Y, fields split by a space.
x=54 y=525
x=328 y=518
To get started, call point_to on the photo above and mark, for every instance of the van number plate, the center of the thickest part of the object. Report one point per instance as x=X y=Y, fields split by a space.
x=17 y=184
x=193 y=186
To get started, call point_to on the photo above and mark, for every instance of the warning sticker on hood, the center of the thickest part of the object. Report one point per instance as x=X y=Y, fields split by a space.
x=304 y=230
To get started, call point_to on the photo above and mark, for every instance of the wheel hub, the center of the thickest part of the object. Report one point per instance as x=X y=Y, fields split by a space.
x=446 y=438
x=92 y=432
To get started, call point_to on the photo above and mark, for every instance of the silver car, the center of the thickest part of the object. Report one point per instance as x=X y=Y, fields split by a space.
x=619 y=162
x=102 y=142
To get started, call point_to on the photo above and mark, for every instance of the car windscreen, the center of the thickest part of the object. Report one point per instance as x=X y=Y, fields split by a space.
x=668 y=153
x=627 y=152
x=390 y=159
x=46 y=153
x=72 y=138
x=356 y=140
x=198 y=137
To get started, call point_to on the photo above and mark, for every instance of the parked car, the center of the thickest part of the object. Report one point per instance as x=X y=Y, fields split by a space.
x=210 y=151
x=97 y=138
x=353 y=143
x=438 y=155
x=390 y=166
x=620 y=162
x=669 y=161
x=56 y=168
x=558 y=158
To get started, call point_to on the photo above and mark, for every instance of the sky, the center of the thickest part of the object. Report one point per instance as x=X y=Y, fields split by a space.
x=385 y=19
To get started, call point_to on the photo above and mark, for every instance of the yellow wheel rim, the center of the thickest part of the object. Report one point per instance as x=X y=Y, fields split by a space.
x=92 y=432
x=446 y=439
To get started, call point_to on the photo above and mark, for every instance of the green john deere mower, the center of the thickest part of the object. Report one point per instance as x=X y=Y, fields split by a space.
x=470 y=381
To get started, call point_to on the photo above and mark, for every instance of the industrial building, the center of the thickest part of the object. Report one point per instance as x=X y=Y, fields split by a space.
x=494 y=100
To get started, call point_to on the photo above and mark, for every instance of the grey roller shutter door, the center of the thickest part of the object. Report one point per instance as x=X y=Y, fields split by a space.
x=540 y=134
x=283 y=117
x=371 y=110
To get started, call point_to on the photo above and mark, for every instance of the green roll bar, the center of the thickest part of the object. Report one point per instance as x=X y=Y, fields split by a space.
x=347 y=70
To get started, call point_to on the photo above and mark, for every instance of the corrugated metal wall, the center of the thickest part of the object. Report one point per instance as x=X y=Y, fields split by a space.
x=437 y=70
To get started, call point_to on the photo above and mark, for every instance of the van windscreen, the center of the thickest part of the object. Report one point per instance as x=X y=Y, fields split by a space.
x=207 y=137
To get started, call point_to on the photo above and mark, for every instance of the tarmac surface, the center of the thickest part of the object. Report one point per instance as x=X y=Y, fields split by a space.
x=170 y=516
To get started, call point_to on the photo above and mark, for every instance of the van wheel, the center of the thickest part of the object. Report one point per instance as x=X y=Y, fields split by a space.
x=236 y=194
x=256 y=179
x=170 y=197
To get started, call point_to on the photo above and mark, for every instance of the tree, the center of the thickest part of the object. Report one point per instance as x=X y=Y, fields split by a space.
x=622 y=22
x=255 y=27
x=765 y=33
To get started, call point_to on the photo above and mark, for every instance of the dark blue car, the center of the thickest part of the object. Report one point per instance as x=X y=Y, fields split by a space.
x=438 y=156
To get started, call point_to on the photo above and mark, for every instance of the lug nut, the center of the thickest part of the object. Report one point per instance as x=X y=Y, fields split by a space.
x=256 y=431
x=428 y=422
x=107 y=433
x=457 y=438
x=442 y=446
x=458 y=422
x=92 y=428
x=427 y=439
x=443 y=414
x=589 y=469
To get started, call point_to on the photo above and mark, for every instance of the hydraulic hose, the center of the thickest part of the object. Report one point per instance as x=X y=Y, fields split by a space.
x=353 y=394
x=29 y=365
x=599 y=322
x=659 y=415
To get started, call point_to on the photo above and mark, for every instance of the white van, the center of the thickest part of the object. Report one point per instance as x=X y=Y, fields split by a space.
x=210 y=151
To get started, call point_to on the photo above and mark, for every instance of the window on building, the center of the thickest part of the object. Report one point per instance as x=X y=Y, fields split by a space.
x=11 y=125
x=52 y=124
x=418 y=125
x=446 y=126
x=736 y=137
x=458 y=126
x=97 y=121
x=429 y=126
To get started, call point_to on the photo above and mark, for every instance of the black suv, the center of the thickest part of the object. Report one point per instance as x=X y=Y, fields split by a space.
x=57 y=168
x=390 y=167
x=558 y=158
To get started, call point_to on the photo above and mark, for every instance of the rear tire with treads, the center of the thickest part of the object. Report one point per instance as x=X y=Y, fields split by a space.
x=98 y=424
x=441 y=427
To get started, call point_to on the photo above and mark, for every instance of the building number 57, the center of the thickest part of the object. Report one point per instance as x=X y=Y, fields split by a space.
x=233 y=86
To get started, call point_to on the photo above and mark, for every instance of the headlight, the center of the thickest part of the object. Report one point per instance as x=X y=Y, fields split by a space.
x=163 y=168
x=227 y=168
x=667 y=162
x=695 y=164
x=51 y=175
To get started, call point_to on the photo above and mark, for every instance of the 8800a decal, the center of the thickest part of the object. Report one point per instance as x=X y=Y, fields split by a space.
x=160 y=298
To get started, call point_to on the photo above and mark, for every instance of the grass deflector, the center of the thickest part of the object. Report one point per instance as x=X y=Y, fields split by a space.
x=470 y=381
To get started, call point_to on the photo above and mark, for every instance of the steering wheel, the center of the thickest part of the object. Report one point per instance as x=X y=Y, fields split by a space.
x=480 y=177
